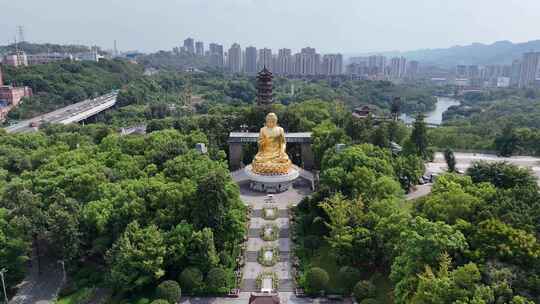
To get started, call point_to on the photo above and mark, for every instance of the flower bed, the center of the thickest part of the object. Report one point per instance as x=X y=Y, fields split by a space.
x=270 y=213
x=270 y=232
x=268 y=256
x=268 y=274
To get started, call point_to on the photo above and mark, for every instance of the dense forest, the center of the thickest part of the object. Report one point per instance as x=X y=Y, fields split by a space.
x=123 y=211
x=472 y=240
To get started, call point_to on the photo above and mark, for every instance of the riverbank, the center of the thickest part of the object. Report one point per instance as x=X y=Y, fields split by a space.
x=434 y=117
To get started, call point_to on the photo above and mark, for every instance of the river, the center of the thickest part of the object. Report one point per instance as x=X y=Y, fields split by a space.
x=434 y=117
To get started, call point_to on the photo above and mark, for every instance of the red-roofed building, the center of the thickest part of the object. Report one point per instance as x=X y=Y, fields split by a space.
x=263 y=298
x=11 y=96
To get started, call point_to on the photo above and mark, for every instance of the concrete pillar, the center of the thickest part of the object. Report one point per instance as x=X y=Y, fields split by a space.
x=235 y=156
x=307 y=156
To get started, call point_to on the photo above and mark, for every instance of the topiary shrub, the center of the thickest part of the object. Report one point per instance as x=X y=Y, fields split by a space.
x=169 y=290
x=369 y=301
x=348 y=276
x=160 y=301
x=191 y=279
x=216 y=279
x=364 y=290
x=316 y=280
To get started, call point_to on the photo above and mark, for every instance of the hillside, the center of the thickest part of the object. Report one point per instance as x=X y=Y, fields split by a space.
x=500 y=52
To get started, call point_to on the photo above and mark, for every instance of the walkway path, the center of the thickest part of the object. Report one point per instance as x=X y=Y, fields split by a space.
x=259 y=201
x=40 y=288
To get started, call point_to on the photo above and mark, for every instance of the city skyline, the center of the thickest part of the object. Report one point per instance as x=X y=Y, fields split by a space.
x=346 y=29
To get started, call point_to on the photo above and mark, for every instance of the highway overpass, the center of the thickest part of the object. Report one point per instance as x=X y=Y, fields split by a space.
x=70 y=114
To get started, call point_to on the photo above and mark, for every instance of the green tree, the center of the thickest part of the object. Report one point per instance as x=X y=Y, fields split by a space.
x=462 y=285
x=380 y=137
x=325 y=137
x=316 y=280
x=216 y=197
x=506 y=143
x=169 y=290
x=217 y=278
x=419 y=137
x=63 y=226
x=191 y=279
x=421 y=244
x=347 y=277
x=136 y=258
x=450 y=159
x=202 y=251
x=502 y=175
x=364 y=290
x=13 y=249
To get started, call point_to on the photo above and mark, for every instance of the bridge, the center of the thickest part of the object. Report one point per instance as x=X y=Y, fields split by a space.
x=73 y=113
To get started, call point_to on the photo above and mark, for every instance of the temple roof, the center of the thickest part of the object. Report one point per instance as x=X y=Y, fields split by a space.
x=263 y=299
x=265 y=72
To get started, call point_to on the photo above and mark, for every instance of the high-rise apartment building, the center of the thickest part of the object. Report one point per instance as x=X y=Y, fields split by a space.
x=332 y=64
x=189 y=45
x=398 y=67
x=250 y=61
x=216 y=55
x=284 y=62
x=235 y=58
x=199 y=48
x=376 y=65
x=529 y=69
x=412 y=69
x=307 y=62
x=265 y=59
x=515 y=72
x=461 y=71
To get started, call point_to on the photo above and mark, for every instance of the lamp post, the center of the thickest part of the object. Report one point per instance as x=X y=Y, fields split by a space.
x=2 y=272
x=61 y=262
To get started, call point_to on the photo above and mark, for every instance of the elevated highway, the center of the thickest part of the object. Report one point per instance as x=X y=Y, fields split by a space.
x=66 y=115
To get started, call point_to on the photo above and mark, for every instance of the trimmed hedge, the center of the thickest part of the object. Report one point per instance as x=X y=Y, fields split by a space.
x=191 y=279
x=169 y=290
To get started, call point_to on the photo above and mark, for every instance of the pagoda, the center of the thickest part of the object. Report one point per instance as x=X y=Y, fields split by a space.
x=264 y=87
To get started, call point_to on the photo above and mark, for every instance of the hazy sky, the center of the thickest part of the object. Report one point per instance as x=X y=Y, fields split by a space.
x=348 y=26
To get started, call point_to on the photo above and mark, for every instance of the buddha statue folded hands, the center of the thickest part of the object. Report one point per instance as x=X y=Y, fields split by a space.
x=271 y=158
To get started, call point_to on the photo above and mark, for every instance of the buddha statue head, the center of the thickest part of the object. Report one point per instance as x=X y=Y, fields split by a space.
x=271 y=120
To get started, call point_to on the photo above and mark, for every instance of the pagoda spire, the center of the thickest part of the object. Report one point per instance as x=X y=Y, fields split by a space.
x=264 y=87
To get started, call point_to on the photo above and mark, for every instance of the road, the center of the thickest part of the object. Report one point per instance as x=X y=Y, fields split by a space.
x=465 y=160
x=72 y=113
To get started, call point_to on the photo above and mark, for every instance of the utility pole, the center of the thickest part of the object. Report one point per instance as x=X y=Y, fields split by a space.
x=2 y=272
x=61 y=262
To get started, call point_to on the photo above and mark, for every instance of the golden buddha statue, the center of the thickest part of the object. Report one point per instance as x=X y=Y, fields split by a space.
x=271 y=158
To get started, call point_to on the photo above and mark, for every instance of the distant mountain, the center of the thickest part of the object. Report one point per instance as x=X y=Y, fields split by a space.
x=500 y=52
